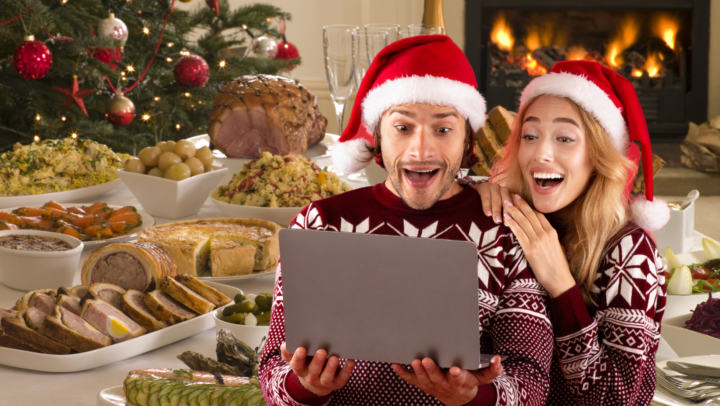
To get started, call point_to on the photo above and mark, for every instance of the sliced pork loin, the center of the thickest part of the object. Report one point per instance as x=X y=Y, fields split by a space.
x=34 y=317
x=108 y=292
x=110 y=321
x=184 y=295
x=71 y=330
x=212 y=295
x=69 y=302
x=166 y=308
x=18 y=330
x=134 y=306
x=80 y=290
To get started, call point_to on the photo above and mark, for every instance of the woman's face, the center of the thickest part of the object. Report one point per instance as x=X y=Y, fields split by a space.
x=554 y=154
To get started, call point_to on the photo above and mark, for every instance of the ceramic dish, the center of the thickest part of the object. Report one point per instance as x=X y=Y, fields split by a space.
x=250 y=335
x=663 y=397
x=280 y=215
x=114 y=396
x=30 y=270
x=147 y=221
x=60 y=197
x=687 y=343
x=206 y=277
x=169 y=198
x=115 y=352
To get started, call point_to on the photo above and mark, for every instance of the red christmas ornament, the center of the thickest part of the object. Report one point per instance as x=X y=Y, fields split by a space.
x=32 y=59
x=214 y=6
x=74 y=95
x=191 y=71
x=120 y=111
x=107 y=56
x=287 y=51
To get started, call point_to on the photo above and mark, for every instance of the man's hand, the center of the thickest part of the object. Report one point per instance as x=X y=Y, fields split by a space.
x=317 y=376
x=452 y=387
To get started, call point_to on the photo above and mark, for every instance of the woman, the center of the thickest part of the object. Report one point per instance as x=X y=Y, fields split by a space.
x=570 y=163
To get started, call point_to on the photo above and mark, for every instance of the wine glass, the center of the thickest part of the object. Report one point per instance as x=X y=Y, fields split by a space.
x=365 y=47
x=393 y=30
x=419 y=29
x=339 y=66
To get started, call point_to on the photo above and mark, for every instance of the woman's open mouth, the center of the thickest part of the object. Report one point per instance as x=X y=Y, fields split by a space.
x=546 y=183
x=420 y=178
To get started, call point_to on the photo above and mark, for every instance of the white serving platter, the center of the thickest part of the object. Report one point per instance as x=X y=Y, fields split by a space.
x=688 y=343
x=230 y=279
x=147 y=221
x=114 y=396
x=279 y=215
x=662 y=397
x=115 y=352
x=60 y=197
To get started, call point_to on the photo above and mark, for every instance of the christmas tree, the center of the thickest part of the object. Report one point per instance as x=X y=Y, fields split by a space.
x=141 y=49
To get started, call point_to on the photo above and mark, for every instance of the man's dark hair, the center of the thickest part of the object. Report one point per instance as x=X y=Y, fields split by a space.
x=468 y=160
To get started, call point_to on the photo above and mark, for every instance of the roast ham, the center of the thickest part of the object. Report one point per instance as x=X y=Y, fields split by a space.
x=258 y=113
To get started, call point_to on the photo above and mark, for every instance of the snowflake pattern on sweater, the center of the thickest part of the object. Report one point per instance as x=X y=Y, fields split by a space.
x=609 y=359
x=511 y=307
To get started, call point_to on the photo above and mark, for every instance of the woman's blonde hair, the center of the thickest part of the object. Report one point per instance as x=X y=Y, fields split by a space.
x=599 y=213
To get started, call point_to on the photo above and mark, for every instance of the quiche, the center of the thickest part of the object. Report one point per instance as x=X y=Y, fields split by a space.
x=190 y=244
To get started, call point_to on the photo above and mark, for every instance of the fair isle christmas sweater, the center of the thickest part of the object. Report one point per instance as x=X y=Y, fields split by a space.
x=512 y=305
x=606 y=356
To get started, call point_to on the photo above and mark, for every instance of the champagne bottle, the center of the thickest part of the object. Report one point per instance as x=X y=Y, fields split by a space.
x=433 y=16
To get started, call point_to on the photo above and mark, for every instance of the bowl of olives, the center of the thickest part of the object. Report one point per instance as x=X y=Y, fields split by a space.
x=172 y=179
x=248 y=318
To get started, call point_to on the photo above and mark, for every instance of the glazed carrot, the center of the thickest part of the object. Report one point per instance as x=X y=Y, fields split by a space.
x=26 y=222
x=68 y=231
x=120 y=227
x=95 y=207
x=29 y=211
x=54 y=205
x=9 y=218
x=8 y=226
x=131 y=217
x=53 y=213
x=105 y=212
x=83 y=221
x=77 y=210
x=98 y=231
x=123 y=210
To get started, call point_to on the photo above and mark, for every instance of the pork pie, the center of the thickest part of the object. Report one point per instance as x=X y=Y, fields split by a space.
x=138 y=266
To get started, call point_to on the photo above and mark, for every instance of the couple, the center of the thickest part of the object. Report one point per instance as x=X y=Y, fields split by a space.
x=571 y=288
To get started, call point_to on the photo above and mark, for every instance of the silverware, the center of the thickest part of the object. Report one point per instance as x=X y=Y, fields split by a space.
x=694 y=369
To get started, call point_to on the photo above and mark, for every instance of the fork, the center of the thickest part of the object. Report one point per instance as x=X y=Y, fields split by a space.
x=695 y=396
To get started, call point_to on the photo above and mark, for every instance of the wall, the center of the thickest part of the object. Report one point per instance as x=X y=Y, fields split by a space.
x=305 y=31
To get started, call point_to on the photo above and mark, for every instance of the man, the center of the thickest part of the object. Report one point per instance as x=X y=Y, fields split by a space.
x=419 y=101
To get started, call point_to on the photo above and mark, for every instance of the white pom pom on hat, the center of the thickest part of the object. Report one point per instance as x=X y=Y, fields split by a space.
x=611 y=99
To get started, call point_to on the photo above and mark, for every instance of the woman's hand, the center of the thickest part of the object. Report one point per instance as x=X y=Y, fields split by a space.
x=318 y=376
x=492 y=195
x=541 y=246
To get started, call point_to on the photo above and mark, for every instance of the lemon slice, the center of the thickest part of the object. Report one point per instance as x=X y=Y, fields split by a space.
x=671 y=259
x=117 y=328
x=711 y=248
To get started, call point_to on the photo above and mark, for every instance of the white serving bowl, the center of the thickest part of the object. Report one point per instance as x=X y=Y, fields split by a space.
x=169 y=198
x=280 y=215
x=688 y=343
x=250 y=335
x=31 y=270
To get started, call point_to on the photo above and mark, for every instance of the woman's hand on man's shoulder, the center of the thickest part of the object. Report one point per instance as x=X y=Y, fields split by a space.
x=492 y=195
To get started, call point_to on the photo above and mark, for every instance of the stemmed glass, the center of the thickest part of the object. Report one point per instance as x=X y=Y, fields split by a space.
x=392 y=30
x=419 y=29
x=339 y=65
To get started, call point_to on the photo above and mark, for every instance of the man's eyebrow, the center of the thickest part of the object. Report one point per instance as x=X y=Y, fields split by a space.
x=448 y=114
x=403 y=112
x=566 y=120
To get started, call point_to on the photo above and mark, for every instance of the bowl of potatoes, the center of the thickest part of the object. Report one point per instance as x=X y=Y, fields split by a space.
x=172 y=179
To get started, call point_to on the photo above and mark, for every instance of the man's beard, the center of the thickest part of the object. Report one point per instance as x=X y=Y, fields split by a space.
x=396 y=178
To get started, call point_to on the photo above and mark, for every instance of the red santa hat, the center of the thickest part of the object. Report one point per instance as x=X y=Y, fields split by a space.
x=611 y=99
x=427 y=69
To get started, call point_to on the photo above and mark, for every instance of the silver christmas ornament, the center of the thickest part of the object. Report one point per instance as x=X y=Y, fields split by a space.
x=265 y=47
x=114 y=28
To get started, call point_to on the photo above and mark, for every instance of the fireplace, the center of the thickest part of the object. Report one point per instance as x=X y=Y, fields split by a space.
x=661 y=46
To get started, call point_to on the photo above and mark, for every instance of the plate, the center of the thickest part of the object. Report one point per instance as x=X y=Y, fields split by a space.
x=663 y=397
x=115 y=352
x=60 y=197
x=687 y=343
x=223 y=279
x=114 y=396
x=280 y=215
x=147 y=221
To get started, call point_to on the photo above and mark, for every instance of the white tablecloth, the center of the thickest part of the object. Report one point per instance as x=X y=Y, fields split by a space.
x=20 y=387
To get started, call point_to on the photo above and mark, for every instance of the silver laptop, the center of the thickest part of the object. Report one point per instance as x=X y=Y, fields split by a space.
x=381 y=298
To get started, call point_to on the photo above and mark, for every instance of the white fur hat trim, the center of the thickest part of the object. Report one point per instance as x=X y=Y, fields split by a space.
x=352 y=156
x=428 y=89
x=651 y=216
x=588 y=96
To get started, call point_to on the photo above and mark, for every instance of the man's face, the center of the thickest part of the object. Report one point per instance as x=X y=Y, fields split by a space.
x=422 y=148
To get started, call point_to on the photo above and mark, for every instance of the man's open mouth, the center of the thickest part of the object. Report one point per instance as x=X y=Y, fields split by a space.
x=421 y=175
x=547 y=180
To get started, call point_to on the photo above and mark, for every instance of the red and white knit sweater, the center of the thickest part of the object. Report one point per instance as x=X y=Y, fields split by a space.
x=512 y=305
x=608 y=358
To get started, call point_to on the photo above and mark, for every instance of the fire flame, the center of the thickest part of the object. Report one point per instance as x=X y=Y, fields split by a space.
x=653 y=65
x=532 y=66
x=576 y=53
x=501 y=34
x=626 y=35
x=666 y=28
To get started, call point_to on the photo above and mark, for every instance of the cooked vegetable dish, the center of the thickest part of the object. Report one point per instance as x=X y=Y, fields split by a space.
x=27 y=242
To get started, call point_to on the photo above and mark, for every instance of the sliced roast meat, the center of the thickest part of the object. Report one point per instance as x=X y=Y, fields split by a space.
x=204 y=290
x=166 y=308
x=134 y=306
x=121 y=269
x=8 y=313
x=34 y=318
x=108 y=292
x=18 y=330
x=186 y=296
x=110 y=321
x=80 y=290
x=42 y=302
x=70 y=330
x=77 y=323
x=62 y=290
x=71 y=303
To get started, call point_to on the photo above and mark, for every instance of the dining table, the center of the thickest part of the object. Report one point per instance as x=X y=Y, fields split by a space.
x=20 y=387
